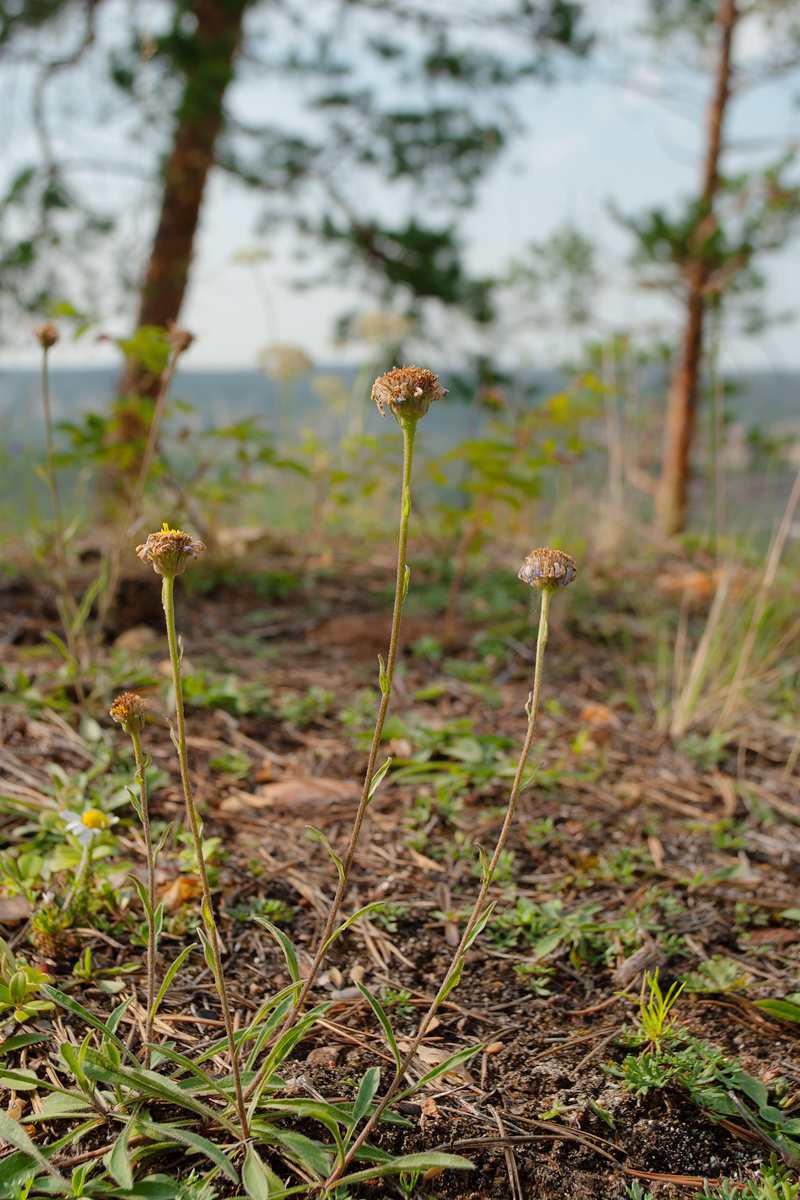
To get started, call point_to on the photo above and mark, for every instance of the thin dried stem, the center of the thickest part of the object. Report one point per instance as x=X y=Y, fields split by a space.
x=179 y=740
x=478 y=909
x=151 y=889
x=409 y=427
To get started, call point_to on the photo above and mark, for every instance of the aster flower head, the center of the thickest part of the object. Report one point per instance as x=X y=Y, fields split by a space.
x=547 y=569
x=407 y=392
x=46 y=335
x=169 y=551
x=129 y=709
x=84 y=826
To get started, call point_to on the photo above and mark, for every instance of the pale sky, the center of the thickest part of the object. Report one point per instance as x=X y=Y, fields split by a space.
x=592 y=139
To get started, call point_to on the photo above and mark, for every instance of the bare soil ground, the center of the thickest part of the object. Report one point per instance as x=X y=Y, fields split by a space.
x=616 y=814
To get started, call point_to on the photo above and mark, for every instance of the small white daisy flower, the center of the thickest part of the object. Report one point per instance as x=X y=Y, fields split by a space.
x=83 y=825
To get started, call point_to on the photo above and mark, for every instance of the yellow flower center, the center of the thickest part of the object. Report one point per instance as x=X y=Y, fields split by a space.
x=94 y=819
x=175 y=532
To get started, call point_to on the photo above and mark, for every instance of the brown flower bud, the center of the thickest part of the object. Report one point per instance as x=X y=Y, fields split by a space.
x=169 y=551
x=407 y=391
x=46 y=335
x=547 y=569
x=129 y=710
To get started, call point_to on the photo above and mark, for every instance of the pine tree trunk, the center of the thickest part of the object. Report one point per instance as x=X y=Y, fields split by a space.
x=671 y=495
x=207 y=65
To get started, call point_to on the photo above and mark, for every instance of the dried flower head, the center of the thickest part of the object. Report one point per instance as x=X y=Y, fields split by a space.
x=129 y=710
x=547 y=569
x=284 y=362
x=407 y=391
x=382 y=328
x=181 y=338
x=46 y=335
x=169 y=551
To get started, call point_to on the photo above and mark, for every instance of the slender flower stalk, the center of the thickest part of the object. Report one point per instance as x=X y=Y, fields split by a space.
x=129 y=709
x=408 y=393
x=544 y=570
x=169 y=552
x=47 y=336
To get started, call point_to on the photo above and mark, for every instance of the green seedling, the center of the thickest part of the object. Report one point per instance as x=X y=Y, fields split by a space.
x=718 y=974
x=776 y=1183
x=655 y=1021
x=301 y=710
x=20 y=986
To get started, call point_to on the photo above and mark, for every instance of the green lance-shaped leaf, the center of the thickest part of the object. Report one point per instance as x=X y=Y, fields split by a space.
x=285 y=945
x=784 y=1009
x=366 y=1091
x=480 y=925
x=374 y=906
x=406 y=503
x=136 y=805
x=148 y=1083
x=319 y=836
x=143 y=896
x=13 y=1132
x=117 y=1015
x=162 y=840
x=406 y=581
x=19 y=1041
x=304 y=1151
x=185 y=1137
x=377 y=778
x=431 y=1160
x=484 y=862
x=254 y=1176
x=170 y=975
x=385 y=682
x=208 y=954
x=78 y=1010
x=455 y=1060
x=119 y=1163
x=75 y=1063
x=380 y=1013
x=181 y=1060
x=453 y=980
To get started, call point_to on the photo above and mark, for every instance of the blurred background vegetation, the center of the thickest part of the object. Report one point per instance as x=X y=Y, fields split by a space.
x=368 y=134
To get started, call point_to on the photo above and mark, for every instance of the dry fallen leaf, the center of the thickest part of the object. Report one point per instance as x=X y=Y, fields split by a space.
x=773 y=937
x=293 y=792
x=14 y=909
x=433 y=1056
x=180 y=891
x=599 y=714
x=656 y=849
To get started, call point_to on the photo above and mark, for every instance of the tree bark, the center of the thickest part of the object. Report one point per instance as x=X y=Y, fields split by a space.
x=671 y=495
x=207 y=65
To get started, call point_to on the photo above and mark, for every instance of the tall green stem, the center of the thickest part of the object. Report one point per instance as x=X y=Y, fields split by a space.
x=477 y=911
x=409 y=427
x=168 y=598
x=151 y=890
